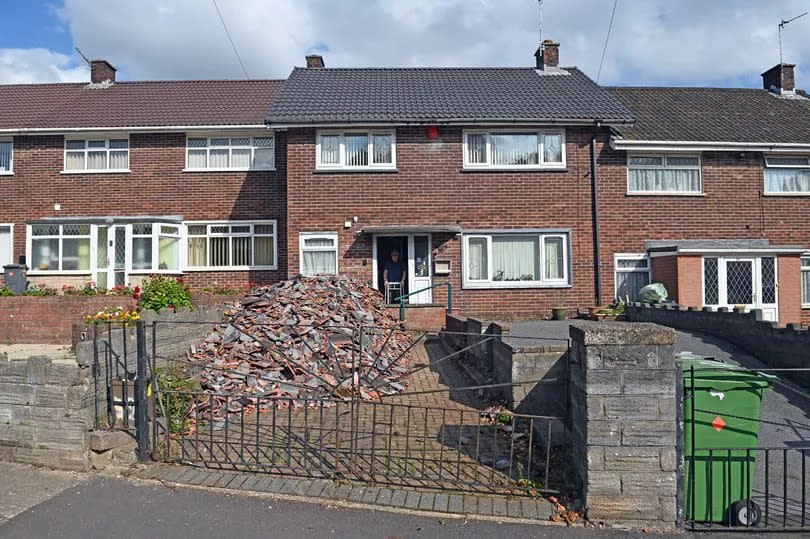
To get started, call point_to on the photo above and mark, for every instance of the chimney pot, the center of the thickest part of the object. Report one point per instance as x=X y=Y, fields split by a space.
x=548 y=55
x=101 y=71
x=779 y=79
x=315 y=61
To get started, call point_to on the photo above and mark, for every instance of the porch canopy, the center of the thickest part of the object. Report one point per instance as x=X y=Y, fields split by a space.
x=108 y=219
x=727 y=246
x=410 y=229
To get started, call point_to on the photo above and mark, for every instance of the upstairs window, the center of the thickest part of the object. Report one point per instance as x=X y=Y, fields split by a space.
x=6 y=151
x=514 y=149
x=515 y=260
x=230 y=153
x=355 y=150
x=97 y=155
x=787 y=175
x=664 y=174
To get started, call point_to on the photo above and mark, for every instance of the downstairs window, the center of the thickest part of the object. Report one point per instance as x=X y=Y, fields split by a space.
x=516 y=260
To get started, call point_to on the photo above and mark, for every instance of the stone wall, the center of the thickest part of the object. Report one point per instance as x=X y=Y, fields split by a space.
x=624 y=422
x=777 y=347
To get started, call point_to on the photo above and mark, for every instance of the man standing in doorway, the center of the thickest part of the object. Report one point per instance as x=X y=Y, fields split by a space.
x=395 y=274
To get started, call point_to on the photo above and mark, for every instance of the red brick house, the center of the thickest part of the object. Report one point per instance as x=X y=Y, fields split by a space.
x=524 y=188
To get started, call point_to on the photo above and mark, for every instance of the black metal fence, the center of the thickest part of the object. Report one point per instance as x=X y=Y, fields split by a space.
x=114 y=372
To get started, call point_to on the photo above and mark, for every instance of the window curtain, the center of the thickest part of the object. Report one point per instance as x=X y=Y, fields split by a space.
x=330 y=149
x=313 y=262
x=356 y=150
x=5 y=245
x=515 y=258
x=142 y=253
x=5 y=156
x=477 y=148
x=628 y=284
x=514 y=149
x=242 y=251
x=74 y=161
x=119 y=160
x=554 y=258
x=665 y=180
x=197 y=251
x=552 y=148
x=806 y=286
x=218 y=158
x=787 y=180
x=477 y=258
x=263 y=251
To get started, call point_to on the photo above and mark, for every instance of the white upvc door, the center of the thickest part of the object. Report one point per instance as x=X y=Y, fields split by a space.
x=749 y=282
x=419 y=265
x=767 y=288
x=117 y=253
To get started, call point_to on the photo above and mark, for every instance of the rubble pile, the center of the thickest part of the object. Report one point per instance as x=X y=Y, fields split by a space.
x=300 y=340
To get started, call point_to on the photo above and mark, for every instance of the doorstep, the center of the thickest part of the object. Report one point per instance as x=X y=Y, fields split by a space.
x=483 y=506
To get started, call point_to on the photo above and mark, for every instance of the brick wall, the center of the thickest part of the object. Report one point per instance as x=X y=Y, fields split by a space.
x=665 y=271
x=157 y=185
x=790 y=289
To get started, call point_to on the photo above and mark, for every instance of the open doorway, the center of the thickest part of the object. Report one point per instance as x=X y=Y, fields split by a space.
x=415 y=255
x=385 y=246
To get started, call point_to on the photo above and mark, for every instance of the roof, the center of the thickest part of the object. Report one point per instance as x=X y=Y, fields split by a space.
x=136 y=104
x=714 y=114
x=457 y=95
x=741 y=244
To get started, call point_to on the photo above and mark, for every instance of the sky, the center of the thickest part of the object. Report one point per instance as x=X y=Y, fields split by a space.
x=653 y=42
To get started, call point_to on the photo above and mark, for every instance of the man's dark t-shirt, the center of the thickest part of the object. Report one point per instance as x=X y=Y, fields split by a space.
x=395 y=270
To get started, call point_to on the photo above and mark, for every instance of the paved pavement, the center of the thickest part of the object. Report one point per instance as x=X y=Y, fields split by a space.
x=23 y=486
x=107 y=507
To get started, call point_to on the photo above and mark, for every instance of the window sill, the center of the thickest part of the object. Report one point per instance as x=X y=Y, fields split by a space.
x=7 y=173
x=110 y=171
x=355 y=171
x=233 y=268
x=513 y=285
x=514 y=169
x=154 y=272
x=45 y=273
x=664 y=194
x=229 y=170
x=805 y=194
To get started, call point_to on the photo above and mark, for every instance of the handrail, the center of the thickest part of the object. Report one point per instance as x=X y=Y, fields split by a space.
x=402 y=304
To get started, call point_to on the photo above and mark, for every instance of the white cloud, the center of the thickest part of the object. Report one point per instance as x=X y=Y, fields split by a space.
x=20 y=66
x=653 y=41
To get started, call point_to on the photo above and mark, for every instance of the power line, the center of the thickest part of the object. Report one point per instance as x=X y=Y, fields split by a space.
x=227 y=33
x=607 y=38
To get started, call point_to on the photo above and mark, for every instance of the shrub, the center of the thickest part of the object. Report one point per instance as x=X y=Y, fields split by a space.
x=39 y=290
x=5 y=292
x=120 y=290
x=159 y=292
x=175 y=405
x=89 y=289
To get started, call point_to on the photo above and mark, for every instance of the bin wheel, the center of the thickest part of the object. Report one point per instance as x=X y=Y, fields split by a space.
x=745 y=513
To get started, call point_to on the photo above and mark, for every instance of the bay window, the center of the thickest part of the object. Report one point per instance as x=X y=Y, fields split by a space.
x=6 y=155
x=355 y=150
x=231 y=245
x=664 y=174
x=230 y=153
x=787 y=175
x=516 y=260
x=514 y=149
x=63 y=248
x=319 y=253
x=632 y=273
x=97 y=155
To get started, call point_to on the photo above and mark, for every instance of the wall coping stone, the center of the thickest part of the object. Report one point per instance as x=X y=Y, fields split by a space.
x=621 y=333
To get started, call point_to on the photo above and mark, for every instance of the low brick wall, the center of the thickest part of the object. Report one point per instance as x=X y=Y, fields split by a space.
x=422 y=317
x=775 y=346
x=46 y=412
x=624 y=422
x=50 y=319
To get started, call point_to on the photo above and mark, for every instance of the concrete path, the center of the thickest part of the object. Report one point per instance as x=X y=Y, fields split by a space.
x=23 y=487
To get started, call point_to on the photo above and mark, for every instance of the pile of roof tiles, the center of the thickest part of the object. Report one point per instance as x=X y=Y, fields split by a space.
x=298 y=343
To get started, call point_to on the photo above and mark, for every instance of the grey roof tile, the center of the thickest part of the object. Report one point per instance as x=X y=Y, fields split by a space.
x=356 y=95
x=714 y=115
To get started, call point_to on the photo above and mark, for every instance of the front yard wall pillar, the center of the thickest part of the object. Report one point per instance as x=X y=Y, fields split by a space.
x=623 y=419
x=788 y=270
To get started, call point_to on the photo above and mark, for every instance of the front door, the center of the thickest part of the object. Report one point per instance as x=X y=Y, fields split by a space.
x=749 y=283
x=118 y=260
x=419 y=269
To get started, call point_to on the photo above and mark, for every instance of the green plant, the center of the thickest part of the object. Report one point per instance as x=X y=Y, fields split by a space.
x=5 y=292
x=505 y=418
x=159 y=292
x=174 y=406
x=89 y=289
x=120 y=290
x=39 y=290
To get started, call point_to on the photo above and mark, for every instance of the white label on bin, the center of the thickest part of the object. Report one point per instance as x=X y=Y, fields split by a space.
x=720 y=394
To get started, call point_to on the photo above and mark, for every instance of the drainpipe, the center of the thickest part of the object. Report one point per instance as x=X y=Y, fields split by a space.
x=597 y=265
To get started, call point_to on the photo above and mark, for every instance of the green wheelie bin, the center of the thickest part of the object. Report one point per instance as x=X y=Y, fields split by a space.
x=722 y=406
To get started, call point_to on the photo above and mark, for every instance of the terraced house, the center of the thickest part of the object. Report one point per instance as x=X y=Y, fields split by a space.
x=524 y=188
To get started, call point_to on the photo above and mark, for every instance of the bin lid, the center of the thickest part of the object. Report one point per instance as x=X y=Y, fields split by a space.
x=711 y=373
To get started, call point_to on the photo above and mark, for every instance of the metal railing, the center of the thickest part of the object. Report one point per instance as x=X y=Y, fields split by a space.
x=403 y=304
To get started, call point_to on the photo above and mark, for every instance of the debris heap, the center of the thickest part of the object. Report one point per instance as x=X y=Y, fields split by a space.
x=321 y=337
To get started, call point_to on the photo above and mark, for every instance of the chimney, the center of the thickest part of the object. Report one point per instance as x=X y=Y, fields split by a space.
x=779 y=79
x=101 y=71
x=548 y=55
x=315 y=61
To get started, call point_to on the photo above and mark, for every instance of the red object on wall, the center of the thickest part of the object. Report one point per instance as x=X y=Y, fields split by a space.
x=432 y=132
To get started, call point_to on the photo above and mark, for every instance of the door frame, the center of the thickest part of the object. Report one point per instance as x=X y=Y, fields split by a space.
x=756 y=268
x=410 y=262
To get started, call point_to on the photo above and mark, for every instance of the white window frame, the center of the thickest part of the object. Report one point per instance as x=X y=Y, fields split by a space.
x=59 y=271
x=209 y=234
x=11 y=239
x=10 y=171
x=665 y=166
x=252 y=147
x=318 y=235
x=770 y=165
x=629 y=256
x=489 y=282
x=489 y=165
x=341 y=165
x=107 y=149
x=155 y=236
x=803 y=269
